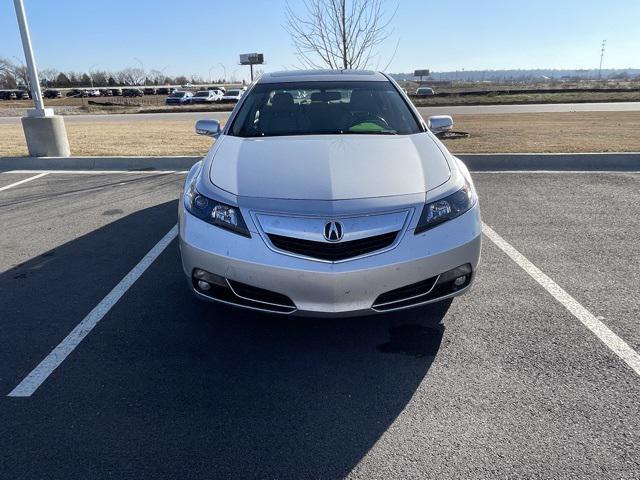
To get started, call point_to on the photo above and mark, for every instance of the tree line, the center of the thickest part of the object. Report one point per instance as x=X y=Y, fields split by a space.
x=14 y=75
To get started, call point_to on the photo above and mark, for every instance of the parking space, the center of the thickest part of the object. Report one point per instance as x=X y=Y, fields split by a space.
x=66 y=241
x=502 y=382
x=581 y=229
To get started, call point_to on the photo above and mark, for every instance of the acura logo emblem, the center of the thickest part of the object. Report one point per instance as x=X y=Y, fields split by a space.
x=333 y=231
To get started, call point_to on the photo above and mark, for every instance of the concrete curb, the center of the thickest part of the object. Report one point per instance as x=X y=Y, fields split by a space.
x=475 y=162
x=552 y=161
x=97 y=163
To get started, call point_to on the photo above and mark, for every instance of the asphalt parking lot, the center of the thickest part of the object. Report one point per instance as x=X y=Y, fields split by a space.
x=530 y=375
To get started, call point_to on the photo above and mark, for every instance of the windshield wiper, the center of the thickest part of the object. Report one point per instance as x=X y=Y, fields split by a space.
x=322 y=132
x=369 y=132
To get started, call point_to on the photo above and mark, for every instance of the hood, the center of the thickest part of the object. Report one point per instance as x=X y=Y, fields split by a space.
x=328 y=167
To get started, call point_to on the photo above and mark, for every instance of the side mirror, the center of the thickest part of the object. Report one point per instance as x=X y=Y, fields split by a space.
x=440 y=123
x=210 y=128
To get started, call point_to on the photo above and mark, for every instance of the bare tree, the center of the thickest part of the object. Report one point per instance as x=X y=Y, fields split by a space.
x=48 y=74
x=7 y=74
x=13 y=73
x=339 y=34
x=156 y=77
x=131 y=76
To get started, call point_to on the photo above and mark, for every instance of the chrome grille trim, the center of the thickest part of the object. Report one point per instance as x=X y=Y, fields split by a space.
x=375 y=223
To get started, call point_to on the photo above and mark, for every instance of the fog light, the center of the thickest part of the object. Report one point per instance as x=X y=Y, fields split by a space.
x=210 y=278
x=204 y=286
x=458 y=282
x=462 y=272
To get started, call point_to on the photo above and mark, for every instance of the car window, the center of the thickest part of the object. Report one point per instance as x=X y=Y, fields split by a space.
x=317 y=108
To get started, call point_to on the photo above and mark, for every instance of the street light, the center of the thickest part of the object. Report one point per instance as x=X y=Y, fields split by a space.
x=604 y=46
x=91 y=73
x=144 y=73
x=44 y=132
x=224 y=69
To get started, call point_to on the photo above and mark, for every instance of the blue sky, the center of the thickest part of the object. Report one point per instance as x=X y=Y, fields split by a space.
x=194 y=36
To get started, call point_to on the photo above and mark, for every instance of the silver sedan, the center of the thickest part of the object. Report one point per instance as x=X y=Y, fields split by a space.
x=327 y=194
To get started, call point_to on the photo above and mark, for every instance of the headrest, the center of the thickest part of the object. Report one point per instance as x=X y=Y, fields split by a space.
x=282 y=101
x=361 y=100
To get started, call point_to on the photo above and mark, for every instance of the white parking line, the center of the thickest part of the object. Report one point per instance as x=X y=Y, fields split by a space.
x=599 y=329
x=52 y=361
x=7 y=187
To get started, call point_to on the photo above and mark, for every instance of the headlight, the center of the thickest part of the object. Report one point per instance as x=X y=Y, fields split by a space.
x=447 y=208
x=215 y=213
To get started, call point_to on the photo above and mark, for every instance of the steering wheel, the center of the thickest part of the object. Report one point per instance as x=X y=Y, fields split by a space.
x=369 y=118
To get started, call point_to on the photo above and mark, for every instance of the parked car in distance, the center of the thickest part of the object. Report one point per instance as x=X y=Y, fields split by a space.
x=207 y=96
x=22 y=95
x=232 y=96
x=94 y=92
x=179 y=98
x=150 y=91
x=52 y=93
x=215 y=87
x=77 y=92
x=132 y=92
x=8 y=95
x=425 y=92
x=287 y=212
x=165 y=90
x=116 y=92
x=106 y=92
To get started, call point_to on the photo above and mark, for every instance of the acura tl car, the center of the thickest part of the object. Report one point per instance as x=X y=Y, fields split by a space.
x=326 y=194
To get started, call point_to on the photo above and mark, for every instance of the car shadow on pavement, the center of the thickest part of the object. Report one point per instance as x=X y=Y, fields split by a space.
x=167 y=386
x=43 y=298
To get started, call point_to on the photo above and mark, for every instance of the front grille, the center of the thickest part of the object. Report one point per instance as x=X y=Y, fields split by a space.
x=333 y=252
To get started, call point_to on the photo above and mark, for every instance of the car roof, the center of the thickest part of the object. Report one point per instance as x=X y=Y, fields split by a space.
x=323 y=76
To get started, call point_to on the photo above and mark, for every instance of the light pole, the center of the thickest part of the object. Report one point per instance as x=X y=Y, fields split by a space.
x=144 y=73
x=210 y=74
x=91 y=73
x=604 y=44
x=224 y=69
x=44 y=132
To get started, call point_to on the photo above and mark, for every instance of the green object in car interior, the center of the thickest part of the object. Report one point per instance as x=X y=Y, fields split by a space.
x=367 y=127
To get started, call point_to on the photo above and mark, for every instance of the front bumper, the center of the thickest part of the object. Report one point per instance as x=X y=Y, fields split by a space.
x=331 y=289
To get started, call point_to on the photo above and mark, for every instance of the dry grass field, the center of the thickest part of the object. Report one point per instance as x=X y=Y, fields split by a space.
x=548 y=132
x=508 y=133
x=117 y=139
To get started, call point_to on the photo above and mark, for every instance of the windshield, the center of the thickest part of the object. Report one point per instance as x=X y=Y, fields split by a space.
x=317 y=108
x=233 y=93
x=178 y=94
x=202 y=94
